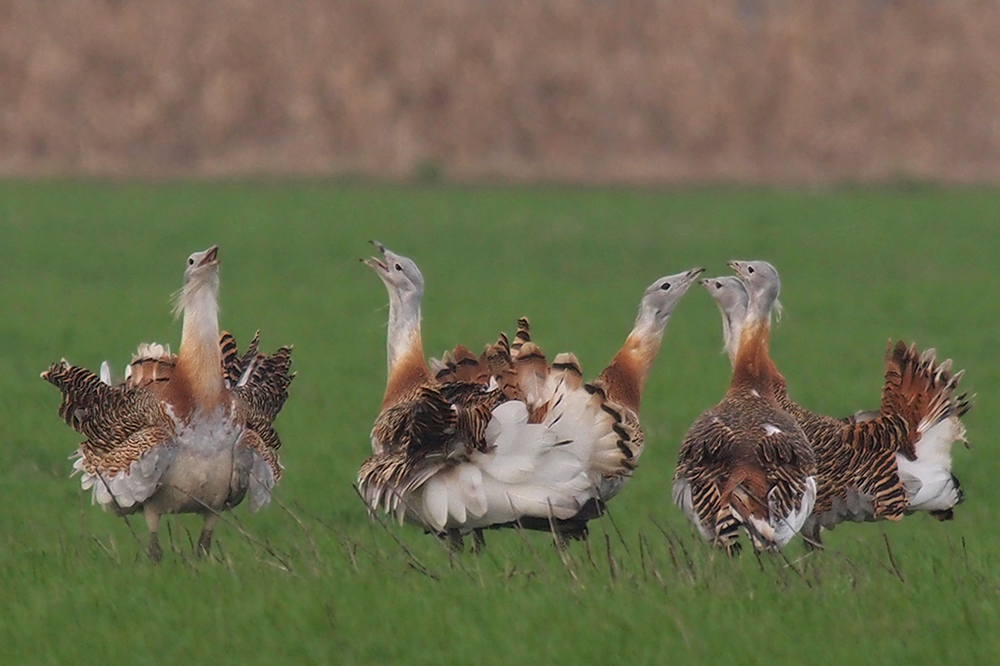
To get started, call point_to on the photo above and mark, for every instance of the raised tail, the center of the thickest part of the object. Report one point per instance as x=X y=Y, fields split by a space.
x=925 y=395
x=461 y=365
x=920 y=390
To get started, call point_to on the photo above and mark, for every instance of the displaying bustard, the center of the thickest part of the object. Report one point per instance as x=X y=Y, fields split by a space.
x=879 y=464
x=507 y=438
x=190 y=433
x=746 y=461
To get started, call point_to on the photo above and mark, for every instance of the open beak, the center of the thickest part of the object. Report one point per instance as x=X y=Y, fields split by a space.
x=692 y=275
x=380 y=266
x=211 y=257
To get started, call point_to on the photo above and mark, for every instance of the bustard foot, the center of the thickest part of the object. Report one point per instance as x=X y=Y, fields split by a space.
x=944 y=514
x=453 y=541
x=205 y=540
x=570 y=530
x=204 y=546
x=732 y=548
x=812 y=541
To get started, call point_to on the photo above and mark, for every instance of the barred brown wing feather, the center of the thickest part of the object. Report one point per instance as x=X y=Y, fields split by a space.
x=107 y=415
x=119 y=458
x=624 y=423
x=386 y=478
x=872 y=469
x=787 y=459
x=785 y=444
x=231 y=368
x=902 y=366
x=460 y=365
x=262 y=396
x=466 y=367
x=787 y=462
x=433 y=419
x=523 y=336
x=710 y=440
x=233 y=363
x=473 y=407
x=266 y=450
x=251 y=353
x=267 y=385
x=422 y=420
x=920 y=391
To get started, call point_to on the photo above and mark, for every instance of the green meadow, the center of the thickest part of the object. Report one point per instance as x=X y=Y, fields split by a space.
x=86 y=273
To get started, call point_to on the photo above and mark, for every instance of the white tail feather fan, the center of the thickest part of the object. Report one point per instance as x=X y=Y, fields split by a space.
x=528 y=469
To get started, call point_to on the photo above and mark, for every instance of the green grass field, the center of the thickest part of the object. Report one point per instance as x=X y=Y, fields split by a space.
x=87 y=271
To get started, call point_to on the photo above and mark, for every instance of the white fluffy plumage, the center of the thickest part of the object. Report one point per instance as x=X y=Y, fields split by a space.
x=928 y=480
x=529 y=469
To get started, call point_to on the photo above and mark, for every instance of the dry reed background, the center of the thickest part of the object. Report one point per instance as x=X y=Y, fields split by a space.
x=639 y=91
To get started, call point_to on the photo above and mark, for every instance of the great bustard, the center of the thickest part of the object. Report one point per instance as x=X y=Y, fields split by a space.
x=190 y=433
x=505 y=439
x=746 y=461
x=879 y=464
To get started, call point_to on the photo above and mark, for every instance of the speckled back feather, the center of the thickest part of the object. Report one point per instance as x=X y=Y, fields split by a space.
x=745 y=462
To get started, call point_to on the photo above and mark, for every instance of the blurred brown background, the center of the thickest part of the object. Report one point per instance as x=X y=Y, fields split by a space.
x=642 y=91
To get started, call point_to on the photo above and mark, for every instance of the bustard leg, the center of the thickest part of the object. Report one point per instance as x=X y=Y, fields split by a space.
x=811 y=537
x=453 y=540
x=478 y=541
x=205 y=540
x=153 y=521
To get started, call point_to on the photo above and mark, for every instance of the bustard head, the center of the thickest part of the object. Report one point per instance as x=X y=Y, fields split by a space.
x=401 y=276
x=662 y=297
x=731 y=296
x=201 y=274
x=763 y=285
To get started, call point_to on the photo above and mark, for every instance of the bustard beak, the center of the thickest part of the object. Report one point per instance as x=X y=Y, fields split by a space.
x=690 y=276
x=376 y=263
x=211 y=257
